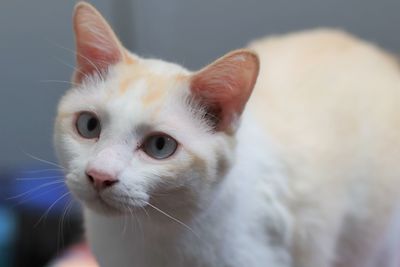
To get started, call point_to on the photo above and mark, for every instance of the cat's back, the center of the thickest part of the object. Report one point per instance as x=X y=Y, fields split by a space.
x=325 y=95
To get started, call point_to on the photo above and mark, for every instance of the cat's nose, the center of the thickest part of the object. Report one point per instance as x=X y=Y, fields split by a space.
x=100 y=179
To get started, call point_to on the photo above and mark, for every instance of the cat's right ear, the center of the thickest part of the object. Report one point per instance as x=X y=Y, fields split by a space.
x=97 y=46
x=224 y=87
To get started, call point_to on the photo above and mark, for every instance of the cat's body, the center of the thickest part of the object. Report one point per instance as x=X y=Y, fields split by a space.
x=309 y=179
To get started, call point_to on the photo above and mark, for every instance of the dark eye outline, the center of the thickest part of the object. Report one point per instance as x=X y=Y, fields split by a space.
x=77 y=116
x=152 y=135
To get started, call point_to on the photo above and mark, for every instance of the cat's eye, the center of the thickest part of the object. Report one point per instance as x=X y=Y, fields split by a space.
x=159 y=146
x=88 y=125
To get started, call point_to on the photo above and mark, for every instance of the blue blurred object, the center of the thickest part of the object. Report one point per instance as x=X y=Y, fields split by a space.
x=7 y=235
x=37 y=217
x=38 y=189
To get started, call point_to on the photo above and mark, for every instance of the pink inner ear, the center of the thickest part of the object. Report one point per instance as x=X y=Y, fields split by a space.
x=96 y=44
x=226 y=85
x=92 y=60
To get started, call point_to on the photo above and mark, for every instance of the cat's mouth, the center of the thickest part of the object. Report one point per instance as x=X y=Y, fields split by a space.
x=111 y=206
x=117 y=205
x=179 y=201
x=109 y=201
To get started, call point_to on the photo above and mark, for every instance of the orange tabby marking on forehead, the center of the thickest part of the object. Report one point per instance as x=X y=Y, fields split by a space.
x=155 y=93
x=125 y=83
x=130 y=74
x=157 y=84
x=160 y=85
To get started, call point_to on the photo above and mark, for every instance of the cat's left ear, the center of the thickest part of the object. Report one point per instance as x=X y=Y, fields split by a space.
x=97 y=46
x=225 y=86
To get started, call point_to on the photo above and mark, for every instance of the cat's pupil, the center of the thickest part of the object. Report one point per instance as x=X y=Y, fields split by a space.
x=92 y=124
x=160 y=142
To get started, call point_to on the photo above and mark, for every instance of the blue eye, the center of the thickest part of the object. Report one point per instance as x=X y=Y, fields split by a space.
x=160 y=146
x=88 y=125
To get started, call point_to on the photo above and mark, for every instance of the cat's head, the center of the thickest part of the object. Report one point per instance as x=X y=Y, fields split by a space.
x=135 y=131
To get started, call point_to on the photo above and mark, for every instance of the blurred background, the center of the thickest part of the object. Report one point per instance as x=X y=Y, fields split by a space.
x=36 y=62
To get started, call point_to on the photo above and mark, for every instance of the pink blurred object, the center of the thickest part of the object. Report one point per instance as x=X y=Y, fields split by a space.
x=77 y=256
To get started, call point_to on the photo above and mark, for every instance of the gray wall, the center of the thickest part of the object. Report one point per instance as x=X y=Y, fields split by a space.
x=189 y=32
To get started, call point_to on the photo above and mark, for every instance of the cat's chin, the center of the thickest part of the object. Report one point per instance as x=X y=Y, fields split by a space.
x=114 y=208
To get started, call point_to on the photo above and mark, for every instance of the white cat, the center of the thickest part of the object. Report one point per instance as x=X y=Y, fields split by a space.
x=172 y=173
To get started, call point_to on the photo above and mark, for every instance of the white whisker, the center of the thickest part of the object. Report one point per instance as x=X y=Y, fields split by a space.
x=145 y=211
x=39 y=178
x=60 y=240
x=43 y=217
x=71 y=66
x=132 y=215
x=174 y=219
x=30 y=198
x=125 y=218
x=82 y=56
x=35 y=189
x=140 y=226
x=43 y=170
x=43 y=160
x=59 y=81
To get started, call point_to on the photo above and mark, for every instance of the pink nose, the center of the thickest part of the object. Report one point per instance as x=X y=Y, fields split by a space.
x=100 y=179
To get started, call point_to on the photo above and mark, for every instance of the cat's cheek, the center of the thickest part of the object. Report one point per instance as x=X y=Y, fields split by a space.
x=80 y=188
x=69 y=145
x=73 y=153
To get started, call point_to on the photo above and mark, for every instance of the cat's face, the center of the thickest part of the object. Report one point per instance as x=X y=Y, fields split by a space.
x=136 y=132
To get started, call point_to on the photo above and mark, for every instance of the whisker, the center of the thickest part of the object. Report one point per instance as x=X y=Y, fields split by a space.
x=42 y=170
x=125 y=218
x=132 y=215
x=145 y=211
x=30 y=198
x=140 y=226
x=43 y=217
x=38 y=178
x=59 y=81
x=80 y=55
x=34 y=189
x=43 y=160
x=160 y=194
x=60 y=239
x=174 y=219
x=71 y=66
x=69 y=211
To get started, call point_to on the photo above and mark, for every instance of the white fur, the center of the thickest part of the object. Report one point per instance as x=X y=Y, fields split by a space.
x=273 y=207
x=242 y=220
